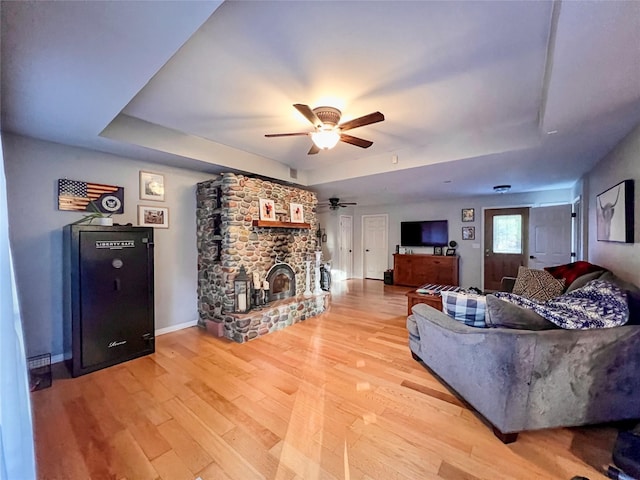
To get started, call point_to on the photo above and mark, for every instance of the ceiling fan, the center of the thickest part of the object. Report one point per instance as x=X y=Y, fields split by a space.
x=335 y=203
x=328 y=130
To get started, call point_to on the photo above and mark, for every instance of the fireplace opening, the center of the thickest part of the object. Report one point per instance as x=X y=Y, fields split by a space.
x=282 y=282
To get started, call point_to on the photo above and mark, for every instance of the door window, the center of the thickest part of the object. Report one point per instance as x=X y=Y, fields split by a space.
x=507 y=234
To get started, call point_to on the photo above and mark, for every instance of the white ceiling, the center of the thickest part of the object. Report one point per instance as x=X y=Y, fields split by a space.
x=470 y=90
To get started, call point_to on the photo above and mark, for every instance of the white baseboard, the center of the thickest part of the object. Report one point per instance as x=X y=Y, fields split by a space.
x=175 y=328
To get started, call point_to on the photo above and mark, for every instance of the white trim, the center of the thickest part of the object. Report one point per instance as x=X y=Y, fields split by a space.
x=174 y=328
x=57 y=358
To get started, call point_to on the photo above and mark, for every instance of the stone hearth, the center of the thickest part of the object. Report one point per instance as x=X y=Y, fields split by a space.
x=227 y=239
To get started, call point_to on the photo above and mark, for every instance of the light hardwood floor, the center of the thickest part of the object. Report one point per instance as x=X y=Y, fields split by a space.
x=335 y=397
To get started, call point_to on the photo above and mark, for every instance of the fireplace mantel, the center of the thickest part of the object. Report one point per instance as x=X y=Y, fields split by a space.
x=272 y=224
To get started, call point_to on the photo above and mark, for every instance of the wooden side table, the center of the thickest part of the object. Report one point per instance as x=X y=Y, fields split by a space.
x=413 y=298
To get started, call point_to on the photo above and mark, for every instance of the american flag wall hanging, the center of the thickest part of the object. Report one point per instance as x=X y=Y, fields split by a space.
x=76 y=195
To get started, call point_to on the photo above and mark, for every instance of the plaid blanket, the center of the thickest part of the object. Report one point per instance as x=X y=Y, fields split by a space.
x=599 y=304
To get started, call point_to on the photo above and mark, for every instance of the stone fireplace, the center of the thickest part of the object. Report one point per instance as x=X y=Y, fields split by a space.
x=229 y=236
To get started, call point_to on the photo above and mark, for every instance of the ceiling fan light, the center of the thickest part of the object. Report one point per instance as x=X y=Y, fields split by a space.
x=502 y=188
x=325 y=139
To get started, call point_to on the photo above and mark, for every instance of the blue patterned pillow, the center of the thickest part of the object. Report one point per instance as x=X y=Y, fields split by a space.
x=599 y=304
x=466 y=308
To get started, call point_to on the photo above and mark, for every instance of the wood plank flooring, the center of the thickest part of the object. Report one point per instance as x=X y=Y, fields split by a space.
x=335 y=397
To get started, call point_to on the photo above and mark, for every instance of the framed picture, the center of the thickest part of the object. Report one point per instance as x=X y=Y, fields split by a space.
x=451 y=252
x=468 y=233
x=151 y=186
x=614 y=213
x=437 y=250
x=149 y=216
x=296 y=213
x=267 y=210
x=468 y=215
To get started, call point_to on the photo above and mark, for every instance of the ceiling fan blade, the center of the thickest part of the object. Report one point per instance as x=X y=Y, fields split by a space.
x=298 y=134
x=313 y=150
x=344 y=204
x=308 y=114
x=358 y=142
x=362 y=121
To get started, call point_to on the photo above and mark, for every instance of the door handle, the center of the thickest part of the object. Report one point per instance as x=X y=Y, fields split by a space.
x=116 y=284
x=367 y=250
x=531 y=257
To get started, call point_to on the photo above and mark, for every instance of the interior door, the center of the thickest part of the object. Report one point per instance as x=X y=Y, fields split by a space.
x=549 y=236
x=346 y=246
x=375 y=245
x=505 y=244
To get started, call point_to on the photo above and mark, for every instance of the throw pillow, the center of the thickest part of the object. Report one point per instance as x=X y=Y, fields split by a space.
x=537 y=285
x=571 y=271
x=464 y=307
x=509 y=315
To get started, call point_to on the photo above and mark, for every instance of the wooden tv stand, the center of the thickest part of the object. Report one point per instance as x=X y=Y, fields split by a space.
x=418 y=269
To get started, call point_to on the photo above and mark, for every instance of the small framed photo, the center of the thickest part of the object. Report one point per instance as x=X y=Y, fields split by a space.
x=149 y=216
x=451 y=252
x=151 y=186
x=296 y=213
x=468 y=233
x=468 y=215
x=437 y=250
x=267 y=210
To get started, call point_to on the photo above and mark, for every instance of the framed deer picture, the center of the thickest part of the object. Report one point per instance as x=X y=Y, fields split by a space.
x=614 y=213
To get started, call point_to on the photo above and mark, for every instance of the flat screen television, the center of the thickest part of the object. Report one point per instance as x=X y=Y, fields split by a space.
x=428 y=233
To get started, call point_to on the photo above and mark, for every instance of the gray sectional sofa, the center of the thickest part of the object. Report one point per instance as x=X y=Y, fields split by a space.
x=522 y=380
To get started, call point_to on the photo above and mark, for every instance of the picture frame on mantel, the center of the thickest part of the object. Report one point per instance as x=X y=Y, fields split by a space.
x=296 y=213
x=468 y=215
x=615 y=213
x=267 y=210
x=151 y=186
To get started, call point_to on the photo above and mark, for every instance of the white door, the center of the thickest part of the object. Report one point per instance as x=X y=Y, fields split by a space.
x=549 y=236
x=375 y=249
x=346 y=247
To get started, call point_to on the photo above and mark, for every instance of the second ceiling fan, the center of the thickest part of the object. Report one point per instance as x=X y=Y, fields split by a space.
x=328 y=130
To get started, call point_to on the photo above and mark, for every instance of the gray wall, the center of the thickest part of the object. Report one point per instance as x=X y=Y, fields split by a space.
x=32 y=168
x=621 y=164
x=470 y=251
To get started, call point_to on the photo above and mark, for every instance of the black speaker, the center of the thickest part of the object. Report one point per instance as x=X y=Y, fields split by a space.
x=388 y=277
x=453 y=244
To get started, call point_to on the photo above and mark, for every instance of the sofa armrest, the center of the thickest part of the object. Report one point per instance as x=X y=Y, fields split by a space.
x=507 y=283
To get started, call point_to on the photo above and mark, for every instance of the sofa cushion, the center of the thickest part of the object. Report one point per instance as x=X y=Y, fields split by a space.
x=582 y=280
x=633 y=295
x=537 y=284
x=501 y=313
x=599 y=304
x=571 y=271
x=465 y=307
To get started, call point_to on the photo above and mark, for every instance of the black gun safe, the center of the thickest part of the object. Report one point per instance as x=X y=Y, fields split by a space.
x=109 y=314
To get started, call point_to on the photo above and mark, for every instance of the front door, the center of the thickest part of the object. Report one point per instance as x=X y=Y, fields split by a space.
x=505 y=244
x=549 y=236
x=375 y=245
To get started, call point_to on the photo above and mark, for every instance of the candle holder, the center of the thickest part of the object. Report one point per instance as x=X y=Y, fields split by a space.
x=257 y=299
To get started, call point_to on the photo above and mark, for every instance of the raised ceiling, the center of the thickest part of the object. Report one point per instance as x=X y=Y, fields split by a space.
x=475 y=94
